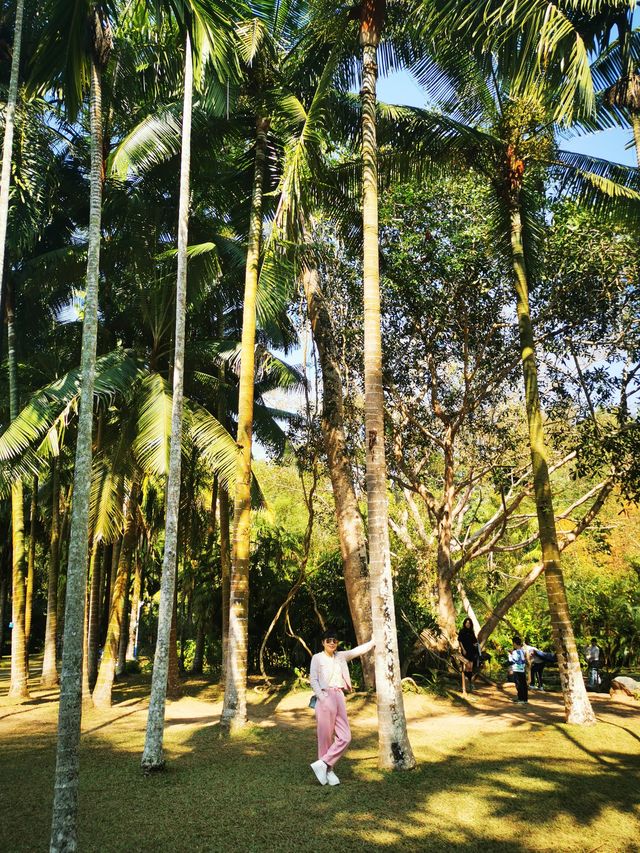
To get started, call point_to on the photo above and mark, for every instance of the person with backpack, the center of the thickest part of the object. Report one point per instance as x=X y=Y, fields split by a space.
x=518 y=661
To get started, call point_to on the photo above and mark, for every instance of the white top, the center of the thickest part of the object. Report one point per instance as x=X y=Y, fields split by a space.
x=327 y=671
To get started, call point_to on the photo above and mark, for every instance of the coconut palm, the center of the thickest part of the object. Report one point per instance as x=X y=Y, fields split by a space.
x=496 y=130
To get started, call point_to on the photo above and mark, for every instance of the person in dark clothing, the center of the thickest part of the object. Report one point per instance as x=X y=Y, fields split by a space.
x=469 y=648
x=518 y=661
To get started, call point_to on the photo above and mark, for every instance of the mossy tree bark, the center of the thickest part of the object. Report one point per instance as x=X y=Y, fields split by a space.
x=394 y=749
x=64 y=832
x=577 y=706
x=153 y=756
x=234 y=711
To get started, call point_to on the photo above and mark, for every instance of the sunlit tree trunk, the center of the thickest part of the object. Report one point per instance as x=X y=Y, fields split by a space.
x=65 y=803
x=353 y=545
x=153 y=756
x=49 y=669
x=134 y=616
x=31 y=566
x=9 y=127
x=577 y=706
x=234 y=712
x=394 y=749
x=94 y=619
x=19 y=684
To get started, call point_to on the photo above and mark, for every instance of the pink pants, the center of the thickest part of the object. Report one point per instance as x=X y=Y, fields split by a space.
x=331 y=719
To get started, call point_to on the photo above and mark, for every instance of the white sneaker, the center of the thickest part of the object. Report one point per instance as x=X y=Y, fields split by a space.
x=320 y=769
x=332 y=779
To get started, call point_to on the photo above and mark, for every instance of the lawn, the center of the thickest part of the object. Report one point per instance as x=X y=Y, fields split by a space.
x=491 y=776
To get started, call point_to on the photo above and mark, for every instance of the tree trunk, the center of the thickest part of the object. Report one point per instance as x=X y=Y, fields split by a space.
x=107 y=671
x=635 y=123
x=49 y=669
x=153 y=757
x=19 y=685
x=4 y=590
x=132 y=647
x=198 y=655
x=394 y=749
x=31 y=565
x=225 y=570
x=353 y=543
x=234 y=711
x=174 y=690
x=65 y=803
x=123 y=641
x=446 y=606
x=98 y=567
x=577 y=706
x=9 y=126
x=110 y=581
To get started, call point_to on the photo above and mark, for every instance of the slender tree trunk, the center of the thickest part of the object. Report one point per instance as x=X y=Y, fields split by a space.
x=19 y=685
x=353 y=543
x=225 y=570
x=174 y=690
x=9 y=126
x=234 y=711
x=132 y=646
x=123 y=642
x=394 y=749
x=153 y=757
x=49 y=669
x=4 y=590
x=577 y=706
x=64 y=831
x=198 y=655
x=94 y=618
x=94 y=550
x=446 y=606
x=31 y=566
x=107 y=671
x=110 y=582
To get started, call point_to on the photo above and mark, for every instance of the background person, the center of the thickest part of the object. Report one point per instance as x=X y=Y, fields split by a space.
x=592 y=655
x=330 y=679
x=518 y=661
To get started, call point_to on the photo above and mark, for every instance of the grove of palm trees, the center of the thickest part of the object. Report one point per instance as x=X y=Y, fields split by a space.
x=284 y=363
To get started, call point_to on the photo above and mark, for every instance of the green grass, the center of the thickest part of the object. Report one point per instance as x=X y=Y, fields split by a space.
x=489 y=779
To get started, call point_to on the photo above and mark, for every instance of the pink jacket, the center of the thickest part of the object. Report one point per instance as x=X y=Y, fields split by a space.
x=322 y=667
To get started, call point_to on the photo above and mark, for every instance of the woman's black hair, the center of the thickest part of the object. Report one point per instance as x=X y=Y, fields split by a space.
x=330 y=632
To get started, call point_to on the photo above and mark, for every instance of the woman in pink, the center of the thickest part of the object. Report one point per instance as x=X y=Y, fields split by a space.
x=330 y=680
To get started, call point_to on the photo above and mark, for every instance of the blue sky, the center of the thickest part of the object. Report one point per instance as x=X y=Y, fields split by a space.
x=401 y=88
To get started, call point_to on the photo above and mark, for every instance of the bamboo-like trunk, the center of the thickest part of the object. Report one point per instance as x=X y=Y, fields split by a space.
x=4 y=591
x=64 y=830
x=49 y=669
x=234 y=711
x=9 y=127
x=31 y=566
x=153 y=756
x=577 y=706
x=394 y=749
x=106 y=674
x=351 y=534
x=19 y=684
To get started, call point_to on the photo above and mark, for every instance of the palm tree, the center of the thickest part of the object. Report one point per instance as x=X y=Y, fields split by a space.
x=506 y=135
x=80 y=32
x=7 y=145
x=394 y=749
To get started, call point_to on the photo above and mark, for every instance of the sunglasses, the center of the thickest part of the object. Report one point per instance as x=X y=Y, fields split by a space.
x=331 y=640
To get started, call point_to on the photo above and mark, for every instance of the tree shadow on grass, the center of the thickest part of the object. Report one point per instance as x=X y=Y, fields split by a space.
x=525 y=788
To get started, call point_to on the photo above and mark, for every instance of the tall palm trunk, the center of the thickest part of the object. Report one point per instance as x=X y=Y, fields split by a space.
x=107 y=671
x=353 y=543
x=49 y=668
x=576 y=702
x=635 y=124
x=394 y=749
x=65 y=803
x=134 y=616
x=19 y=685
x=224 y=511
x=153 y=757
x=31 y=565
x=234 y=712
x=97 y=579
x=9 y=126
